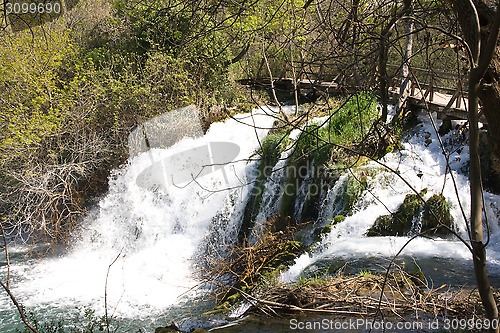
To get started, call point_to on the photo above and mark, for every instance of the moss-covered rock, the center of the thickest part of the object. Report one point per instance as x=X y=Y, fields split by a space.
x=310 y=210
x=287 y=253
x=320 y=232
x=166 y=330
x=354 y=189
x=400 y=223
x=338 y=219
x=287 y=205
x=272 y=147
x=437 y=213
x=410 y=207
x=382 y=227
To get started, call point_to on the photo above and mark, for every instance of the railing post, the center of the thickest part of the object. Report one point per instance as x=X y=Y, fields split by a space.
x=460 y=94
x=431 y=88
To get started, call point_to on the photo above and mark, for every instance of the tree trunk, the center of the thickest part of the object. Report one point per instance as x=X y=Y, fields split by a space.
x=489 y=88
x=483 y=52
x=404 y=88
x=476 y=219
x=383 y=56
x=489 y=95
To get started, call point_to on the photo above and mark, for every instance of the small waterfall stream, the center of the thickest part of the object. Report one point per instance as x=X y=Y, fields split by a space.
x=423 y=165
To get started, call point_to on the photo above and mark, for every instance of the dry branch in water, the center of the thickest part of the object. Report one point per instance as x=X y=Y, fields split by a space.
x=405 y=294
x=249 y=274
x=245 y=265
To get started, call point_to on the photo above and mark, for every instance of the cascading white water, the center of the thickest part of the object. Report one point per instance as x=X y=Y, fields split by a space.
x=155 y=233
x=423 y=165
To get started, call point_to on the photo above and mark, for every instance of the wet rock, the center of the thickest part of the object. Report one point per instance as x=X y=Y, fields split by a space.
x=320 y=232
x=172 y=328
x=437 y=215
x=353 y=190
x=400 y=223
x=434 y=213
x=382 y=227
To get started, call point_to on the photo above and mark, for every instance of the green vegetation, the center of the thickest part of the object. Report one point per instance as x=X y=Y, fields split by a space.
x=437 y=215
x=315 y=149
x=401 y=222
x=347 y=125
x=85 y=322
x=251 y=266
x=73 y=90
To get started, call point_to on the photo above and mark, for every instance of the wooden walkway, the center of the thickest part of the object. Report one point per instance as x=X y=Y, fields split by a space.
x=448 y=103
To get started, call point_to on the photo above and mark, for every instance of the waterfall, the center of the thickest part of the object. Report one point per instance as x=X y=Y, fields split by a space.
x=183 y=197
x=421 y=163
x=155 y=230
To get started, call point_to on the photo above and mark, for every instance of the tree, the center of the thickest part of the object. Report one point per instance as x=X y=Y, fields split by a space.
x=481 y=29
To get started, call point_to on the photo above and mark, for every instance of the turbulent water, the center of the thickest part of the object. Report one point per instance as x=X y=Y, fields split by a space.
x=421 y=163
x=143 y=239
x=153 y=233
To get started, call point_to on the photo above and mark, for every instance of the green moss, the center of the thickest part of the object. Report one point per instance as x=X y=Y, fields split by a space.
x=310 y=208
x=338 y=219
x=234 y=298
x=391 y=148
x=410 y=207
x=438 y=205
x=381 y=227
x=319 y=232
x=353 y=188
x=287 y=205
x=288 y=251
x=326 y=229
x=353 y=191
x=223 y=308
x=401 y=222
x=272 y=147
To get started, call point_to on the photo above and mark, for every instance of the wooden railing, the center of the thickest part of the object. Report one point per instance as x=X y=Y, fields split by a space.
x=427 y=90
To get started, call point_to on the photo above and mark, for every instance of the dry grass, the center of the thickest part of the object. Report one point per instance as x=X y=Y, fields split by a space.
x=246 y=265
x=251 y=273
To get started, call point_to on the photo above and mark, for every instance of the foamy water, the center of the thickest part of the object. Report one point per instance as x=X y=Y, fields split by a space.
x=153 y=233
x=423 y=166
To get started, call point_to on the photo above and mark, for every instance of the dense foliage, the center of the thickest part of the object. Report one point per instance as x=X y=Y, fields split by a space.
x=71 y=92
x=72 y=89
